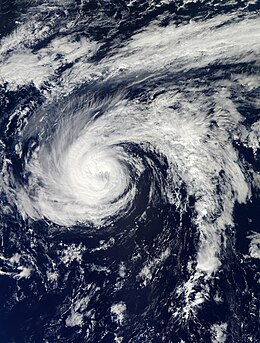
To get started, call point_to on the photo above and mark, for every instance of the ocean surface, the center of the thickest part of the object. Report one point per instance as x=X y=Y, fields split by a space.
x=129 y=142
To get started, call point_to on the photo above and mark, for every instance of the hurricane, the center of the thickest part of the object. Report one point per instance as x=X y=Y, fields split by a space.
x=130 y=171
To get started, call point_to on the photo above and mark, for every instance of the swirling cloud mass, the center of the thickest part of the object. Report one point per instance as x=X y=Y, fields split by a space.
x=129 y=144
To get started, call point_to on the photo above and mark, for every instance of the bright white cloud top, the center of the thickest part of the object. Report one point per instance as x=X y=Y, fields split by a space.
x=83 y=168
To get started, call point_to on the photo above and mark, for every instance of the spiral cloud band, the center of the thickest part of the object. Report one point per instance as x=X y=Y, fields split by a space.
x=148 y=125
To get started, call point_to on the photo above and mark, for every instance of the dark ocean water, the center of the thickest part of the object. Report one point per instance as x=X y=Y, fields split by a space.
x=129 y=171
